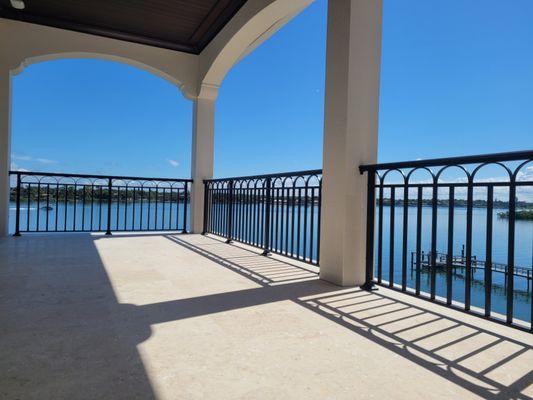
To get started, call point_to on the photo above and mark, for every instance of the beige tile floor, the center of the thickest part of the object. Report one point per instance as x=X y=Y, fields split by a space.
x=190 y=317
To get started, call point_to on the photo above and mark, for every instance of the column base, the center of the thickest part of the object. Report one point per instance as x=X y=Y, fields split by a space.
x=369 y=286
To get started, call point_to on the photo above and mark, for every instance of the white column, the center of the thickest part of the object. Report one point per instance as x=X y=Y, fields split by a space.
x=350 y=135
x=203 y=146
x=5 y=146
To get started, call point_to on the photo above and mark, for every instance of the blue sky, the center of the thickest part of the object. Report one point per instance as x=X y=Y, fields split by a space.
x=457 y=79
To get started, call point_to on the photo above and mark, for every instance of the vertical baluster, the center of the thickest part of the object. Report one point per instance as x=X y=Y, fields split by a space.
x=83 y=209
x=109 y=189
x=28 y=208
x=404 y=239
x=216 y=210
x=155 y=206
x=418 y=239
x=221 y=211
x=141 y=205
x=240 y=212
x=304 y=255
x=276 y=229
x=268 y=200
x=510 y=251
x=163 y=210
x=434 y=210
x=178 y=194
x=488 y=251
x=319 y=221
x=133 y=210
x=47 y=206
x=468 y=261
x=391 y=232
x=298 y=229
x=287 y=218
x=380 y=233
x=449 y=258
x=74 y=212
x=210 y=209
x=118 y=208
x=262 y=216
x=216 y=205
x=207 y=206
x=149 y=212
x=271 y=198
x=185 y=205
x=293 y=218
x=252 y=215
x=37 y=226
x=229 y=210
x=245 y=215
x=65 y=211
x=100 y=191
x=258 y=202
x=235 y=213
x=92 y=205
x=126 y=208
x=312 y=227
x=370 y=221
x=17 y=216
x=243 y=212
x=57 y=206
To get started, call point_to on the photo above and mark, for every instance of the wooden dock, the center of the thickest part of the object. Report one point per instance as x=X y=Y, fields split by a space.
x=458 y=262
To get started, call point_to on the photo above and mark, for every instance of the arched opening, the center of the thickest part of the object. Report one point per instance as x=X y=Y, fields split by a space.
x=99 y=117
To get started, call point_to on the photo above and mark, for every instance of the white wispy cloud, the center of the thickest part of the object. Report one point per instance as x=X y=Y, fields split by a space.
x=39 y=160
x=45 y=161
x=174 y=163
x=15 y=167
x=21 y=158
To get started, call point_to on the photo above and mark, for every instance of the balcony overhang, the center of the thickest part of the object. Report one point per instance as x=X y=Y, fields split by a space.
x=191 y=44
x=170 y=24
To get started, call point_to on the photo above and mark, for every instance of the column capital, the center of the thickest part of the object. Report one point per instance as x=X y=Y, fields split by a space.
x=208 y=91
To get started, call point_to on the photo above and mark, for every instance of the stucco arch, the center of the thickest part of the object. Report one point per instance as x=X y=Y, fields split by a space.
x=255 y=22
x=36 y=43
x=98 y=56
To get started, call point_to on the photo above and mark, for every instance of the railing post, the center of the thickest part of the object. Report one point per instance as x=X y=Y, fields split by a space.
x=266 y=228
x=109 y=186
x=230 y=212
x=17 y=218
x=205 y=216
x=370 y=210
x=185 y=200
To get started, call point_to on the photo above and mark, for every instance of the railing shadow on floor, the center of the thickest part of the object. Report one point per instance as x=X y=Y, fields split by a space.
x=480 y=360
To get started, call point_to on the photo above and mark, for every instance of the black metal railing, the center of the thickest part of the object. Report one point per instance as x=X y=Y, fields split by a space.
x=56 y=202
x=461 y=202
x=279 y=213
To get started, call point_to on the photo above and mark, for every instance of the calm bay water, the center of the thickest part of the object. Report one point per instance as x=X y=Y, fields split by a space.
x=523 y=254
x=163 y=216
x=168 y=216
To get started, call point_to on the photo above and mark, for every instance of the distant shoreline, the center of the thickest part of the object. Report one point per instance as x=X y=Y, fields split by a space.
x=462 y=203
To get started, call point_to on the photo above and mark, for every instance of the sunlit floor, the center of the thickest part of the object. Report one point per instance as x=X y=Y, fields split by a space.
x=190 y=317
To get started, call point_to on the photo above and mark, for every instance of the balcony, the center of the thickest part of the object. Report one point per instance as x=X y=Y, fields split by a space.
x=359 y=280
x=162 y=315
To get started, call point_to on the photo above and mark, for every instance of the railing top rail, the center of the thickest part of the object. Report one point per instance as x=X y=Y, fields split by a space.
x=279 y=175
x=481 y=158
x=118 y=177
